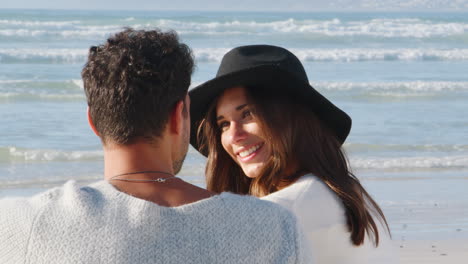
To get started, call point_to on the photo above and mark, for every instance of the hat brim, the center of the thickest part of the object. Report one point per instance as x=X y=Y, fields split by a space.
x=272 y=77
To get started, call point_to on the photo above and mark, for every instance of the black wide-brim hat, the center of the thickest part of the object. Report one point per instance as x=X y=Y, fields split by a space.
x=268 y=67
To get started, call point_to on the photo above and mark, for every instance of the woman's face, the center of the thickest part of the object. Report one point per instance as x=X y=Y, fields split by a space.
x=241 y=135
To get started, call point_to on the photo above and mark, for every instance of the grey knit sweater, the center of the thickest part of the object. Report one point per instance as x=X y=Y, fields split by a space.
x=99 y=224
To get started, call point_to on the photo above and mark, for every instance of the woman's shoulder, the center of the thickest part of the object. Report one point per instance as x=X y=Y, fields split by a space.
x=308 y=194
x=310 y=182
x=308 y=187
x=317 y=198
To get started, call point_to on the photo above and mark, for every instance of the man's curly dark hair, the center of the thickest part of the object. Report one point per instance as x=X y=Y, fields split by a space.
x=133 y=81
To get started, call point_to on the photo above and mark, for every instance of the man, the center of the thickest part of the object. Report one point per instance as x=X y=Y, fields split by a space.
x=136 y=86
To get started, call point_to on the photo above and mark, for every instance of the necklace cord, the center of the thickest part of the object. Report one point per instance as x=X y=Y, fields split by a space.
x=114 y=178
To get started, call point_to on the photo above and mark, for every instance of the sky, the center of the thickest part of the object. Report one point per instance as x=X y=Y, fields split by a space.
x=244 y=5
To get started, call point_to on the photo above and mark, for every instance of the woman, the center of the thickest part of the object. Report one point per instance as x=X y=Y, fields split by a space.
x=268 y=133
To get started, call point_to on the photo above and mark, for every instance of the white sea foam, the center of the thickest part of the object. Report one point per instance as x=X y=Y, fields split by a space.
x=422 y=5
x=358 y=147
x=94 y=33
x=44 y=181
x=411 y=89
x=351 y=55
x=62 y=97
x=14 y=81
x=32 y=155
x=215 y=55
x=65 y=84
x=78 y=83
x=18 y=90
x=381 y=54
x=22 y=33
x=411 y=163
x=210 y=54
x=393 y=87
x=31 y=23
x=9 y=96
x=386 y=28
x=41 y=55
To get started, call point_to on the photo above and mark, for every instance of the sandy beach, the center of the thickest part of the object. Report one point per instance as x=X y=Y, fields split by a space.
x=433 y=251
x=427 y=217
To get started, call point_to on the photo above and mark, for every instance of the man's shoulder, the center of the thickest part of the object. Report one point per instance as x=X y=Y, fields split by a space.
x=28 y=202
x=55 y=196
x=252 y=207
x=248 y=201
x=17 y=218
x=20 y=214
x=263 y=224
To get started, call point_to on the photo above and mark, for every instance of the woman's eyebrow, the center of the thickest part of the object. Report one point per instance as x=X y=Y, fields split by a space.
x=240 y=107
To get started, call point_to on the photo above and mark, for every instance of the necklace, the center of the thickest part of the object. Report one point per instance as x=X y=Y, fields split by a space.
x=172 y=176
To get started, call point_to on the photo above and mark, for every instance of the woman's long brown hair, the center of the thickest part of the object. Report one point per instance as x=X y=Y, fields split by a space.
x=298 y=140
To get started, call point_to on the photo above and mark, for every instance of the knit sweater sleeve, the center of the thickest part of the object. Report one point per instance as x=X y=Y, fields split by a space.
x=17 y=216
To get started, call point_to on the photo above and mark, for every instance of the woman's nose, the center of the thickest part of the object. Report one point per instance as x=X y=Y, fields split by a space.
x=237 y=132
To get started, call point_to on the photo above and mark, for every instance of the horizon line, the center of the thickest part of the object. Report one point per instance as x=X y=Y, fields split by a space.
x=242 y=10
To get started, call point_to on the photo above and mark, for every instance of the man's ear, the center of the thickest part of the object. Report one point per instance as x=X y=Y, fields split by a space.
x=91 y=124
x=176 y=120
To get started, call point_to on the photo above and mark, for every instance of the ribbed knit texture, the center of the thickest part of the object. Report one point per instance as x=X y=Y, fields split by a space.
x=99 y=224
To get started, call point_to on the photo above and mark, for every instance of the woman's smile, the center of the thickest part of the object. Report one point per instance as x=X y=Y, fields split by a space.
x=250 y=152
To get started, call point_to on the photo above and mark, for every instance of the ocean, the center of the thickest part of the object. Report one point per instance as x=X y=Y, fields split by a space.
x=402 y=77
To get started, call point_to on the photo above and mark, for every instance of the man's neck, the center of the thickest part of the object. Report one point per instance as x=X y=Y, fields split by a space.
x=119 y=159
x=146 y=159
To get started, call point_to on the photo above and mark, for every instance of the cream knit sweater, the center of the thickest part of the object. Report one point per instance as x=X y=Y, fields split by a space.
x=99 y=224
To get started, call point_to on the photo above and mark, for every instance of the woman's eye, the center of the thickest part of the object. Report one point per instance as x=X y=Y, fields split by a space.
x=223 y=126
x=246 y=113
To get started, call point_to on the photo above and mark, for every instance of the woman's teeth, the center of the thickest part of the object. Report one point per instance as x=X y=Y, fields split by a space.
x=249 y=151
